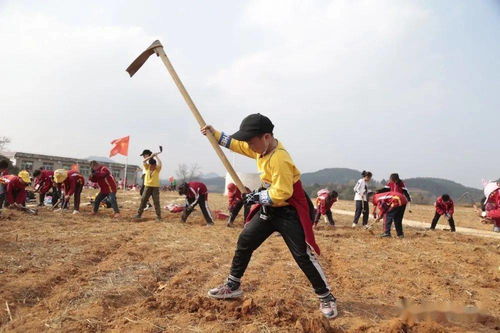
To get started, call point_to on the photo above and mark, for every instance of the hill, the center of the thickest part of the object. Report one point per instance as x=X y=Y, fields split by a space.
x=331 y=176
x=434 y=187
x=423 y=189
x=214 y=184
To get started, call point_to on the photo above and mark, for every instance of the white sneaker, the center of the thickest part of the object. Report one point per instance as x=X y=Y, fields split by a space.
x=496 y=229
x=76 y=212
x=328 y=307
x=354 y=225
x=58 y=210
x=227 y=290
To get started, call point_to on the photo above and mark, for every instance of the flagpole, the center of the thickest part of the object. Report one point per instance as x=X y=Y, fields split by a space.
x=126 y=165
x=125 y=181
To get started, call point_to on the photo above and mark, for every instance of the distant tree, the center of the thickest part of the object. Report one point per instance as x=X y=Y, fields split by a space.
x=187 y=173
x=4 y=141
x=383 y=182
x=12 y=169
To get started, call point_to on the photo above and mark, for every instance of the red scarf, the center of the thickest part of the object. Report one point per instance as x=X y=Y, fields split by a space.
x=299 y=201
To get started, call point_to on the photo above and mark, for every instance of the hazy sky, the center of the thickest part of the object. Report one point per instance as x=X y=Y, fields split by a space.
x=388 y=86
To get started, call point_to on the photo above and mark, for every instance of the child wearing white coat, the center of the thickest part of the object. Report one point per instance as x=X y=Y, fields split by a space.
x=361 y=198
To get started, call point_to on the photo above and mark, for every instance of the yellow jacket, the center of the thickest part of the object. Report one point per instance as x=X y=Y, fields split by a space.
x=277 y=170
x=151 y=178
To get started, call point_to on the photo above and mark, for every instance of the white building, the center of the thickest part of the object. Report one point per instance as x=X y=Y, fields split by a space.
x=31 y=162
x=250 y=180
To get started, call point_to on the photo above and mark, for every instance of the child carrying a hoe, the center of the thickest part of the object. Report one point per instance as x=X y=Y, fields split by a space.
x=282 y=206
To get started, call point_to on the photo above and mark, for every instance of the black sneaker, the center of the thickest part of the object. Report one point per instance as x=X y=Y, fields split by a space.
x=385 y=235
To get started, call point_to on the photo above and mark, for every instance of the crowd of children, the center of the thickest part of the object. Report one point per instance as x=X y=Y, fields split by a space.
x=279 y=205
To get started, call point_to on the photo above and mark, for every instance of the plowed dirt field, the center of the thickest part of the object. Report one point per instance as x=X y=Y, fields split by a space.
x=92 y=273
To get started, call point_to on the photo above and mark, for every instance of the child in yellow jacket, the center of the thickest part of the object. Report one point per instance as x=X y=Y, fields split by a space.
x=283 y=206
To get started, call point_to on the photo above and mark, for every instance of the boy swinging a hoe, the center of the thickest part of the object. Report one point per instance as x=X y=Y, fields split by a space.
x=282 y=206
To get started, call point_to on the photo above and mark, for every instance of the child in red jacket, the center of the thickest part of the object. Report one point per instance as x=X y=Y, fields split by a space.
x=196 y=194
x=71 y=183
x=236 y=203
x=444 y=206
x=324 y=204
x=15 y=188
x=43 y=183
x=4 y=171
x=490 y=211
x=389 y=205
x=107 y=187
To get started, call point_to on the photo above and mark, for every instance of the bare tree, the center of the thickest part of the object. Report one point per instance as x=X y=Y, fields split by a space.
x=187 y=173
x=3 y=142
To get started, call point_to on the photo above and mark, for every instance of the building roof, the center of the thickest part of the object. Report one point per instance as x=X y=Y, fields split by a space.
x=62 y=159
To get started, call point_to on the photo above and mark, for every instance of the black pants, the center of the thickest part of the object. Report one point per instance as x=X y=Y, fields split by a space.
x=236 y=209
x=394 y=215
x=111 y=197
x=76 y=198
x=399 y=220
x=2 y=195
x=56 y=195
x=361 y=208
x=203 y=203
x=328 y=214
x=147 y=193
x=286 y=221
x=436 y=219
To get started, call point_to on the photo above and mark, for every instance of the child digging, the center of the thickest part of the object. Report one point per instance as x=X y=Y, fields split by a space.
x=444 y=206
x=324 y=204
x=283 y=206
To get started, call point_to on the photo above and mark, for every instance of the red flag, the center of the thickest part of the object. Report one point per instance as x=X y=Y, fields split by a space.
x=121 y=146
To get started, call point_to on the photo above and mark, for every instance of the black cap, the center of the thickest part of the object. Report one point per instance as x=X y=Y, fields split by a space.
x=146 y=152
x=253 y=125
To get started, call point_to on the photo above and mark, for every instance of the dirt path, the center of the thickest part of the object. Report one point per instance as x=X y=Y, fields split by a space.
x=423 y=225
